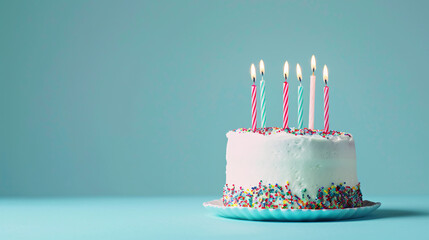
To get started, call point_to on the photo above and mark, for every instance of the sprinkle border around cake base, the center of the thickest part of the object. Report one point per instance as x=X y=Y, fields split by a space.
x=268 y=196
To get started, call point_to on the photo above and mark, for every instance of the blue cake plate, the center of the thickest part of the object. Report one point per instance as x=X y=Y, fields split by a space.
x=216 y=207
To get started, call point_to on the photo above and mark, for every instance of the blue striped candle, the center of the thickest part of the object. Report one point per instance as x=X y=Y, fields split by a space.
x=263 y=116
x=300 y=110
x=300 y=100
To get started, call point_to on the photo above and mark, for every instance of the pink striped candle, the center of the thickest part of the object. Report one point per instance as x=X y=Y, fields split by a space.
x=326 y=96
x=326 y=99
x=254 y=121
x=253 y=76
x=286 y=96
x=285 y=104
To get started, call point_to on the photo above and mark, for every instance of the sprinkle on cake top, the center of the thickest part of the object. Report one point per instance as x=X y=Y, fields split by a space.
x=295 y=131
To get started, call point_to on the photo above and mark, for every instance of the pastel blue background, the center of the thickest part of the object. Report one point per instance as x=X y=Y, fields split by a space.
x=135 y=97
x=156 y=218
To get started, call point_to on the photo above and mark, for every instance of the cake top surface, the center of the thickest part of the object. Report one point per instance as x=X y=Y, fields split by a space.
x=294 y=131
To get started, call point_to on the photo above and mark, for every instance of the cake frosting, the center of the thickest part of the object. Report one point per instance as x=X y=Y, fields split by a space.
x=291 y=168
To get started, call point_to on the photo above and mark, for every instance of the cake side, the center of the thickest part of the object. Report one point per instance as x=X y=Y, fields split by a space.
x=302 y=169
x=281 y=197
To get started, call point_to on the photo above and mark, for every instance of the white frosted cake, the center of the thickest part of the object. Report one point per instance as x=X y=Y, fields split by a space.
x=291 y=168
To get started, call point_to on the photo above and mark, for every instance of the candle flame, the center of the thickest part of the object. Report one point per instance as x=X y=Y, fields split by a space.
x=298 y=72
x=253 y=72
x=313 y=63
x=261 y=67
x=325 y=74
x=286 y=70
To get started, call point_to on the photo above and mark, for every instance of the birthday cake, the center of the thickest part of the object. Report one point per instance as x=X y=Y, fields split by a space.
x=288 y=168
x=274 y=168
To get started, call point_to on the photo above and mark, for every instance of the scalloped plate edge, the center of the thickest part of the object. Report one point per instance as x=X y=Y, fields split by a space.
x=216 y=207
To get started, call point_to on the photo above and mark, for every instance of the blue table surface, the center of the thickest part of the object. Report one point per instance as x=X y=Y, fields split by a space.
x=186 y=218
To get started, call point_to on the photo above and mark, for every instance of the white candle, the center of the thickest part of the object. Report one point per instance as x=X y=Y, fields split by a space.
x=312 y=94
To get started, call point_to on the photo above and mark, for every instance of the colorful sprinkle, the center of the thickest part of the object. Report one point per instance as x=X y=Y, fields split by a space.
x=295 y=131
x=276 y=196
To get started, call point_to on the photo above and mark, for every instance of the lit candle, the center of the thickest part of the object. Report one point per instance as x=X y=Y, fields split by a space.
x=312 y=94
x=253 y=76
x=300 y=99
x=262 y=84
x=285 y=96
x=326 y=98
